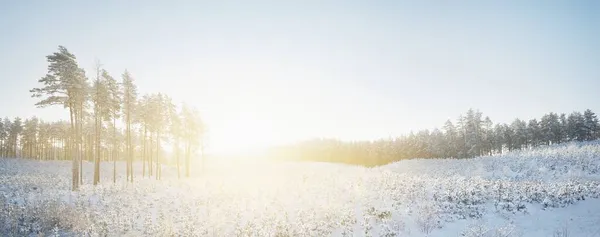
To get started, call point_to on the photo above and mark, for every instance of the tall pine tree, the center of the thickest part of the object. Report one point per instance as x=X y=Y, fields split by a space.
x=65 y=84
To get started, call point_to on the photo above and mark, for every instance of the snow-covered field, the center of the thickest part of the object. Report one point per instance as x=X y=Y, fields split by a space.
x=551 y=191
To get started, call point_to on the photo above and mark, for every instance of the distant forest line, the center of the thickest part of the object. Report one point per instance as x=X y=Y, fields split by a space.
x=470 y=136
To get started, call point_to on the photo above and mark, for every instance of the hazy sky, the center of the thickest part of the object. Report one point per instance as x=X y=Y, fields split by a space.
x=276 y=71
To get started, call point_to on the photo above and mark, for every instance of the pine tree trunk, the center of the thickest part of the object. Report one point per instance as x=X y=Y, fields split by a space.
x=75 y=168
x=80 y=150
x=97 y=160
x=114 y=147
x=150 y=151
x=65 y=148
x=177 y=157
x=187 y=159
x=144 y=153
x=127 y=168
x=158 y=155
x=130 y=147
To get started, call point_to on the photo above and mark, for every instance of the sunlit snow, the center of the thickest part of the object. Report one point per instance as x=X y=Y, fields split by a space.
x=541 y=192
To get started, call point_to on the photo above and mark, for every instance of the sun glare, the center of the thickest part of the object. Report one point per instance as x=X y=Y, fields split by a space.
x=245 y=133
x=246 y=109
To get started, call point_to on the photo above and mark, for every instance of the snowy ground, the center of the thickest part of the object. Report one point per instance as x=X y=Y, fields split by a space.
x=544 y=192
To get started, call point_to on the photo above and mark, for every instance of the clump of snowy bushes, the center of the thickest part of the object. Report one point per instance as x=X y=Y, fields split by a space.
x=480 y=229
x=41 y=217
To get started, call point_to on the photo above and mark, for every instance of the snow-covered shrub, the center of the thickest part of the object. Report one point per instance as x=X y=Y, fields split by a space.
x=482 y=229
x=478 y=229
x=427 y=218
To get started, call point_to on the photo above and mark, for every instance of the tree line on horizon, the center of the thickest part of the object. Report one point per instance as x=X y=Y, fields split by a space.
x=470 y=136
x=108 y=121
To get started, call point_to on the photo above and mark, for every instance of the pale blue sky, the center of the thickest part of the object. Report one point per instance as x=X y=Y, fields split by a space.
x=276 y=71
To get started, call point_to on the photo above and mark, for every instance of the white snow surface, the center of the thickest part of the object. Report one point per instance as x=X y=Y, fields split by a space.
x=550 y=191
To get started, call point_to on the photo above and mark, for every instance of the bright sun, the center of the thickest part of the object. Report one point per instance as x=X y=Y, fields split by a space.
x=243 y=131
x=240 y=136
x=246 y=106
